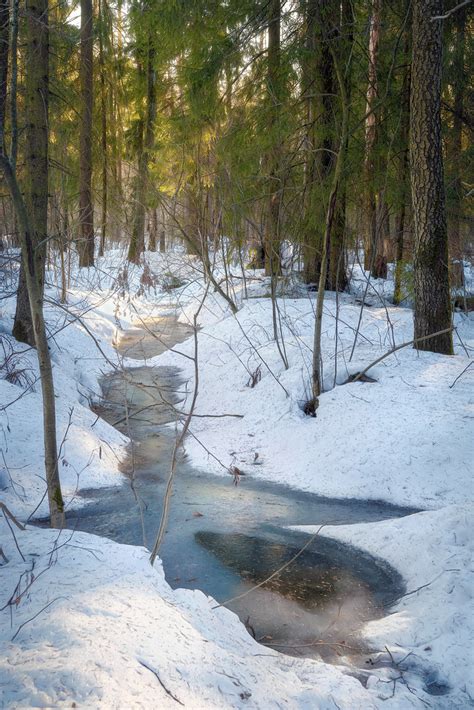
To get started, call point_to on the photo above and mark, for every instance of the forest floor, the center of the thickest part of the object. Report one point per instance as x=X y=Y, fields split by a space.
x=88 y=621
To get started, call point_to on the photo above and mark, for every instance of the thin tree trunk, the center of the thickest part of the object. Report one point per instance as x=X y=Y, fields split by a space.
x=33 y=277
x=103 y=108
x=337 y=267
x=137 y=241
x=310 y=77
x=36 y=157
x=371 y=129
x=317 y=374
x=86 y=210
x=319 y=89
x=403 y=176
x=431 y=273
x=272 y=226
x=153 y=221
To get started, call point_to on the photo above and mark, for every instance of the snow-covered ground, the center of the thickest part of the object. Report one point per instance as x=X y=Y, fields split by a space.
x=114 y=633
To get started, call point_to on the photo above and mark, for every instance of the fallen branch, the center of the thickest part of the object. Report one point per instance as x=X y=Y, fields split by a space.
x=399 y=347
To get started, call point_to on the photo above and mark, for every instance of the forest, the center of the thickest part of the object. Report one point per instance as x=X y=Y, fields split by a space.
x=236 y=348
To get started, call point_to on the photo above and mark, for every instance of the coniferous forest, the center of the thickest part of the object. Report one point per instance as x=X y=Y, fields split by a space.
x=236 y=346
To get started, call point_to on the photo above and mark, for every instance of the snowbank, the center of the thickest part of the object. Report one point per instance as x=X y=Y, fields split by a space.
x=405 y=438
x=92 y=624
x=430 y=628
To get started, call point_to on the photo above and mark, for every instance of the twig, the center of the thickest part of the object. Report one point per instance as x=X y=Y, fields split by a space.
x=180 y=439
x=34 y=617
x=450 y=12
x=276 y=573
x=168 y=692
x=461 y=374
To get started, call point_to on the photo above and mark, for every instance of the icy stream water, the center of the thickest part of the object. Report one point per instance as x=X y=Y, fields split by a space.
x=223 y=539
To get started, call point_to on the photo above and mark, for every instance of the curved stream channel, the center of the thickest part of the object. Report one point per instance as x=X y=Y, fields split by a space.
x=222 y=538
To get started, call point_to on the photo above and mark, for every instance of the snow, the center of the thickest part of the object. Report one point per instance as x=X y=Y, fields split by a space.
x=395 y=439
x=406 y=439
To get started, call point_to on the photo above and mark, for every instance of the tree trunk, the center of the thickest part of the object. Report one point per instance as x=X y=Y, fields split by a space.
x=310 y=75
x=431 y=274
x=153 y=222
x=272 y=226
x=317 y=374
x=337 y=266
x=455 y=136
x=36 y=157
x=318 y=87
x=371 y=130
x=14 y=83
x=103 y=109
x=137 y=241
x=403 y=175
x=33 y=277
x=86 y=210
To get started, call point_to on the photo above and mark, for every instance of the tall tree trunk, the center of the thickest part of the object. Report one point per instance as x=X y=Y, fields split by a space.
x=455 y=137
x=137 y=241
x=86 y=209
x=318 y=86
x=403 y=175
x=431 y=273
x=371 y=129
x=33 y=277
x=310 y=88
x=36 y=156
x=103 y=126
x=272 y=226
x=14 y=83
x=337 y=266
x=317 y=373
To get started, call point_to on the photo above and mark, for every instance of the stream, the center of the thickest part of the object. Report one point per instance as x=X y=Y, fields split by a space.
x=224 y=538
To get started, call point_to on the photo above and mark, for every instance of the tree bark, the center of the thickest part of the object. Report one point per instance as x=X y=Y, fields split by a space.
x=36 y=156
x=86 y=68
x=431 y=273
